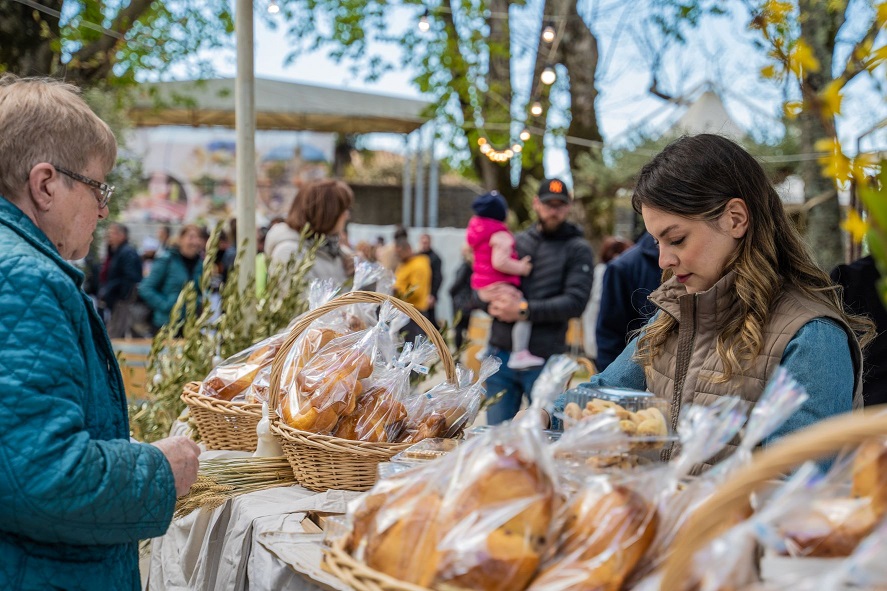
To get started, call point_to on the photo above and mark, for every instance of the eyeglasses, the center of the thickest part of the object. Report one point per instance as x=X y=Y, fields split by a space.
x=104 y=189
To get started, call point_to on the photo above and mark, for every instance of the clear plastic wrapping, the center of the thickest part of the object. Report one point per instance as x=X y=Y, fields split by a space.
x=606 y=527
x=243 y=376
x=642 y=416
x=481 y=517
x=381 y=415
x=321 y=378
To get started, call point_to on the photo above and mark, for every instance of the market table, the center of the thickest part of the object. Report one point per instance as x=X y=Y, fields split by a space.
x=253 y=542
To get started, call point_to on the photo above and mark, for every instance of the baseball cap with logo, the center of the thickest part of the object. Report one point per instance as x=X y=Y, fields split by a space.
x=552 y=189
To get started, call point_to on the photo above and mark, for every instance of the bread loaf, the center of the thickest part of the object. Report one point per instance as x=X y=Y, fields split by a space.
x=604 y=535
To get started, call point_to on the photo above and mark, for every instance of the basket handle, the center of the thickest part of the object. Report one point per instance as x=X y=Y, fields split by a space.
x=815 y=442
x=354 y=297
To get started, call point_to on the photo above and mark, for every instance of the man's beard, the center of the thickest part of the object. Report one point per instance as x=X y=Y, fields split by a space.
x=549 y=227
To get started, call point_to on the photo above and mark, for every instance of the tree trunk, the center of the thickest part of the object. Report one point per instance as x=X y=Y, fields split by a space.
x=819 y=29
x=578 y=51
x=27 y=35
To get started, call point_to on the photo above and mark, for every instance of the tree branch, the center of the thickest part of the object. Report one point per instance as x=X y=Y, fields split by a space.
x=105 y=44
x=854 y=64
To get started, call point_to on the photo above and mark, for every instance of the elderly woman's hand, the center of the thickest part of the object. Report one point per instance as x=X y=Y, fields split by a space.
x=182 y=454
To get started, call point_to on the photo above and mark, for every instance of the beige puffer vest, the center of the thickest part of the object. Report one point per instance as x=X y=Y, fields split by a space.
x=687 y=369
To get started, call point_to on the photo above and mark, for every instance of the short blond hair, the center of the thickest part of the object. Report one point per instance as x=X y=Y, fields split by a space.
x=46 y=120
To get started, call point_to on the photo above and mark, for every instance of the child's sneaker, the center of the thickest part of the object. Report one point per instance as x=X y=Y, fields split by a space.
x=524 y=360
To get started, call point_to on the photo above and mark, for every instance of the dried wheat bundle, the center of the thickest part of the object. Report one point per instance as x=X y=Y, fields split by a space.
x=221 y=479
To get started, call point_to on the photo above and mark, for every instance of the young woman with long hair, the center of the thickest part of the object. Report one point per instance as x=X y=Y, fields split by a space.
x=740 y=296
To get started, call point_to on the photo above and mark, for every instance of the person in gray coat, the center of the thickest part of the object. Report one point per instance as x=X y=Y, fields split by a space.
x=325 y=207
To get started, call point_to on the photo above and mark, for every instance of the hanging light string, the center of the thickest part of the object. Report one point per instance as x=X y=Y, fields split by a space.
x=551 y=33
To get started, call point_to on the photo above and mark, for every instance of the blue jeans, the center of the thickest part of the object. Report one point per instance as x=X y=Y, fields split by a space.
x=516 y=383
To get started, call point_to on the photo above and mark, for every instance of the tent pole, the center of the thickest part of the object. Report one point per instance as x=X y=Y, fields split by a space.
x=245 y=124
x=433 y=182
x=407 y=212
x=420 y=179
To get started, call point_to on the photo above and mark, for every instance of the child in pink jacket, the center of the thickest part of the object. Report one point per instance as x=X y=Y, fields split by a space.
x=496 y=262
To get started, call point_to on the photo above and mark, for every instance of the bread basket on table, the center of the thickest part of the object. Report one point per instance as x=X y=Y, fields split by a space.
x=818 y=441
x=322 y=462
x=223 y=424
x=357 y=575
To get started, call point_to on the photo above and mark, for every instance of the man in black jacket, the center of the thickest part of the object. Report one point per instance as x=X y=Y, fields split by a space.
x=120 y=274
x=436 y=276
x=556 y=290
x=860 y=280
x=624 y=307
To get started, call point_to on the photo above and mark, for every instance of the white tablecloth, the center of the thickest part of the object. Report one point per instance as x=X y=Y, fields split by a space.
x=253 y=542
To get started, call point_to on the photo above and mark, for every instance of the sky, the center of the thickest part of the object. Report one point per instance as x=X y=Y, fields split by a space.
x=718 y=54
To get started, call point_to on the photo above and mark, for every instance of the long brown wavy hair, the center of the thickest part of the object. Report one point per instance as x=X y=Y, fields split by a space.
x=695 y=177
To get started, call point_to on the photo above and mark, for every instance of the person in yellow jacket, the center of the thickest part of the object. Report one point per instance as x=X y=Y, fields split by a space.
x=412 y=281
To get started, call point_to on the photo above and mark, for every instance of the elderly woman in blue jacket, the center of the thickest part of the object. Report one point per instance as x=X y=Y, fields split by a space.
x=75 y=494
x=171 y=272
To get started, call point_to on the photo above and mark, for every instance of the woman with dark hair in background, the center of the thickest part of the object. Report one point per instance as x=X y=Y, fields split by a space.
x=324 y=207
x=741 y=295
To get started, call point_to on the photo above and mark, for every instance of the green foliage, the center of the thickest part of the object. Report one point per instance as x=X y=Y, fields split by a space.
x=116 y=42
x=186 y=349
x=873 y=194
x=601 y=174
x=451 y=61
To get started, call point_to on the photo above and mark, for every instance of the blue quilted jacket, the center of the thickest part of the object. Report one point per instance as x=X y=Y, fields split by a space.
x=75 y=494
x=161 y=288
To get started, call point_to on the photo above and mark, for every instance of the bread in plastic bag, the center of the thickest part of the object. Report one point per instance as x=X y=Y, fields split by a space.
x=380 y=415
x=478 y=518
x=606 y=528
x=321 y=390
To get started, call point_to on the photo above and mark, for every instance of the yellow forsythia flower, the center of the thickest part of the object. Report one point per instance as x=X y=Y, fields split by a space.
x=792 y=109
x=855 y=226
x=768 y=71
x=775 y=11
x=802 y=59
x=831 y=98
x=881 y=14
x=834 y=163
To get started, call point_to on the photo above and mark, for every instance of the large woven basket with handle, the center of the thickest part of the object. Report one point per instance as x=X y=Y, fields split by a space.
x=322 y=462
x=815 y=442
x=223 y=424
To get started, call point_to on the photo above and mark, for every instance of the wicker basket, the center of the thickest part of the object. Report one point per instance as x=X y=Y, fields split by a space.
x=322 y=462
x=357 y=575
x=815 y=442
x=223 y=424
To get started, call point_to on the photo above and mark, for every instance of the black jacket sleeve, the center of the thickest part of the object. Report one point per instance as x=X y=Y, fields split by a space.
x=612 y=321
x=436 y=273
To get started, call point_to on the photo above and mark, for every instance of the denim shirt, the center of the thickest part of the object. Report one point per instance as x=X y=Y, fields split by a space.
x=818 y=358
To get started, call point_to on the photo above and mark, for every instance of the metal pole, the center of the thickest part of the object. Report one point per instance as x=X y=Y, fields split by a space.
x=407 y=213
x=245 y=123
x=420 y=181
x=433 y=182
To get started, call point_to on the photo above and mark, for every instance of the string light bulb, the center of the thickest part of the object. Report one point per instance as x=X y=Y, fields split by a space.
x=548 y=76
x=273 y=7
x=525 y=135
x=548 y=33
x=536 y=109
x=494 y=155
x=424 y=23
